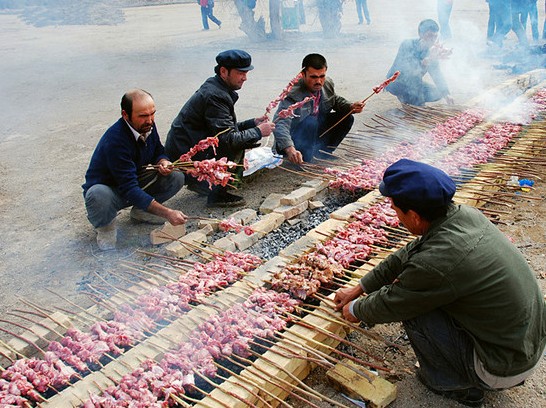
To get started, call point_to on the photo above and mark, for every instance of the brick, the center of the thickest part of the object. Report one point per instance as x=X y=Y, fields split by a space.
x=207 y=229
x=243 y=241
x=359 y=383
x=291 y=211
x=212 y=222
x=225 y=243
x=298 y=196
x=346 y=213
x=179 y=250
x=318 y=184
x=244 y=216
x=163 y=234
x=271 y=202
x=268 y=223
x=313 y=205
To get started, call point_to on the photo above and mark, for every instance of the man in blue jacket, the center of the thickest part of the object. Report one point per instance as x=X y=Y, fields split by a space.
x=415 y=58
x=469 y=303
x=115 y=178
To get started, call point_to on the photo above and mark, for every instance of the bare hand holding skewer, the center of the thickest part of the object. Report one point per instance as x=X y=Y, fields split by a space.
x=357 y=107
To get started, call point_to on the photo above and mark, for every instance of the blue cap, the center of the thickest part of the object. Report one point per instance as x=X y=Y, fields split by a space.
x=417 y=185
x=237 y=59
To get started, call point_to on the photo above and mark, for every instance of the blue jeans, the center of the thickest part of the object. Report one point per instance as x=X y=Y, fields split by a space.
x=445 y=352
x=362 y=6
x=103 y=202
x=414 y=91
x=206 y=13
x=306 y=134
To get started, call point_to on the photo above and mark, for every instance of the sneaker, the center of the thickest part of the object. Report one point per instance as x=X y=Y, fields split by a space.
x=144 y=216
x=225 y=200
x=107 y=236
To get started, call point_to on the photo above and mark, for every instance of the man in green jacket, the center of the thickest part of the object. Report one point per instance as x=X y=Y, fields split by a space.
x=470 y=305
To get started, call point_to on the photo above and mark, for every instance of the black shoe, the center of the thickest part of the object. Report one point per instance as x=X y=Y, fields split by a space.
x=199 y=188
x=471 y=397
x=225 y=200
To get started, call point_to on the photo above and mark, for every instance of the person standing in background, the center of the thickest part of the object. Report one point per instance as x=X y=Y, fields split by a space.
x=444 y=13
x=207 y=7
x=519 y=10
x=362 y=6
x=532 y=13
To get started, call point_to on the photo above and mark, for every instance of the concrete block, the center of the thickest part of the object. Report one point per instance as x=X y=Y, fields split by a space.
x=212 y=222
x=268 y=223
x=207 y=229
x=318 y=184
x=346 y=213
x=271 y=202
x=243 y=241
x=179 y=250
x=226 y=244
x=298 y=196
x=291 y=211
x=244 y=216
x=359 y=383
x=167 y=233
x=313 y=205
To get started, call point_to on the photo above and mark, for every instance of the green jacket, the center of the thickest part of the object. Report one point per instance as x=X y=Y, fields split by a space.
x=465 y=266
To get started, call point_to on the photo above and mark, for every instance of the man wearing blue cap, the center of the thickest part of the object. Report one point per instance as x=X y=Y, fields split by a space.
x=211 y=110
x=468 y=301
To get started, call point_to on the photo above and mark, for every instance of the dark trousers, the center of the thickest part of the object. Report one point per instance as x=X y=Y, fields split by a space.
x=444 y=13
x=306 y=134
x=206 y=13
x=362 y=6
x=445 y=352
x=414 y=91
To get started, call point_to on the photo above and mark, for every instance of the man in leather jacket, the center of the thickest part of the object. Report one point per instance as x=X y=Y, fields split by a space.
x=208 y=112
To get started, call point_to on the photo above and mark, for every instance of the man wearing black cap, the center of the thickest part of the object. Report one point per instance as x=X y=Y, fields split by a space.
x=211 y=110
x=468 y=301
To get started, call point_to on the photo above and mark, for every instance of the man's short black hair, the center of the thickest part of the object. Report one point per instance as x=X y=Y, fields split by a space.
x=428 y=25
x=315 y=61
x=430 y=213
x=127 y=100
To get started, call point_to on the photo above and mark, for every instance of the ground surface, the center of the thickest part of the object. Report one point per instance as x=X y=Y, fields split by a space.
x=61 y=86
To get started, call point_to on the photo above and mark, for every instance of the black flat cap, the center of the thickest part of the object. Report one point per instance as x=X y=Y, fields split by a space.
x=237 y=59
x=416 y=184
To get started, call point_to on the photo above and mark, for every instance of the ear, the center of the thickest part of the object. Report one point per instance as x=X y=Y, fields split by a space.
x=124 y=115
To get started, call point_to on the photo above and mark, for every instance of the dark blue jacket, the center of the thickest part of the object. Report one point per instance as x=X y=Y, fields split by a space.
x=117 y=160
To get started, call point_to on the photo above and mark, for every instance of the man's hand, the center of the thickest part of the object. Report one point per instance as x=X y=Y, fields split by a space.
x=348 y=315
x=346 y=295
x=261 y=119
x=293 y=155
x=358 y=107
x=165 y=167
x=176 y=217
x=266 y=128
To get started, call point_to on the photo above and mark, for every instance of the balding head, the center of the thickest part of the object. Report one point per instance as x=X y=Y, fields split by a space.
x=130 y=96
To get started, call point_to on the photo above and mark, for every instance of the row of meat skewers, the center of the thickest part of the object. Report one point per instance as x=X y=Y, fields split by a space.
x=27 y=380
